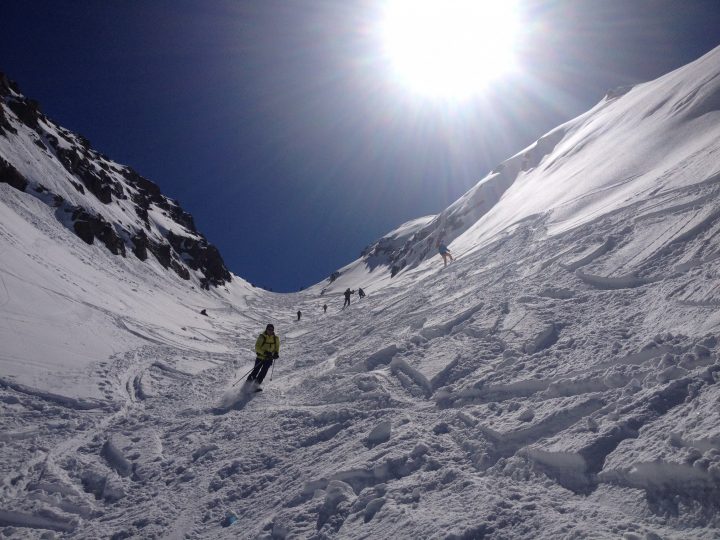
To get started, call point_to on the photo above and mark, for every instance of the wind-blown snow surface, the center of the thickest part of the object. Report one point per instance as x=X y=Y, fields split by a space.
x=558 y=385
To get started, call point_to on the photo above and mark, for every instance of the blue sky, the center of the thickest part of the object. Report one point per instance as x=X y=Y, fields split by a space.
x=279 y=126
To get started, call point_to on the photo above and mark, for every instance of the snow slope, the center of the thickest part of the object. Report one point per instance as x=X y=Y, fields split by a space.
x=559 y=380
x=655 y=137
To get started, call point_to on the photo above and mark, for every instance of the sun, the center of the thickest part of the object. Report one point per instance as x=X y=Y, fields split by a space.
x=450 y=48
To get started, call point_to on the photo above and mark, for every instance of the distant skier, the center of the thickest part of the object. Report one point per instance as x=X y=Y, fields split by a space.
x=299 y=314
x=361 y=293
x=267 y=348
x=347 y=294
x=325 y=308
x=443 y=251
x=525 y=161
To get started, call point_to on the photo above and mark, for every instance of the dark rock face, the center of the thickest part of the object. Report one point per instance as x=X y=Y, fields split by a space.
x=10 y=175
x=5 y=126
x=88 y=227
x=95 y=175
x=140 y=245
x=200 y=254
x=148 y=193
x=6 y=85
x=97 y=183
x=216 y=272
x=27 y=110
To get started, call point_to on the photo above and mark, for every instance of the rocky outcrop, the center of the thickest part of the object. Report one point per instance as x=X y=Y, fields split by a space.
x=166 y=257
x=140 y=244
x=27 y=111
x=94 y=175
x=147 y=193
x=10 y=175
x=88 y=227
x=200 y=254
x=96 y=182
x=6 y=86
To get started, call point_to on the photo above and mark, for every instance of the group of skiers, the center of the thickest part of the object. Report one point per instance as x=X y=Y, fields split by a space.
x=349 y=293
x=267 y=345
x=443 y=250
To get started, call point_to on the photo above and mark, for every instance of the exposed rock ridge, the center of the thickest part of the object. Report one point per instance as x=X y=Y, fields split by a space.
x=95 y=177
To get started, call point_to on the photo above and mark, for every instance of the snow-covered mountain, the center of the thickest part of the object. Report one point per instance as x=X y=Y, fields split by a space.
x=97 y=198
x=558 y=380
x=653 y=137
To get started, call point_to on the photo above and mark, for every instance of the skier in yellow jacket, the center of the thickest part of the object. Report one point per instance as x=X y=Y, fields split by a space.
x=267 y=349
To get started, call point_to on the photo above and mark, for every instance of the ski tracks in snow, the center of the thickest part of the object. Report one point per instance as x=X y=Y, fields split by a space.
x=509 y=379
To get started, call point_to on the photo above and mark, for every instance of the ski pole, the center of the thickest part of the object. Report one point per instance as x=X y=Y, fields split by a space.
x=272 y=370
x=243 y=377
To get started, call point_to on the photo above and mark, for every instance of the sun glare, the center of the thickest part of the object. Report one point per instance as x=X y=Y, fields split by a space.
x=450 y=48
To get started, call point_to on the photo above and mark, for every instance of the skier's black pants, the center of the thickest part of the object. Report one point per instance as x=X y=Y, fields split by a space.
x=260 y=370
x=347 y=302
